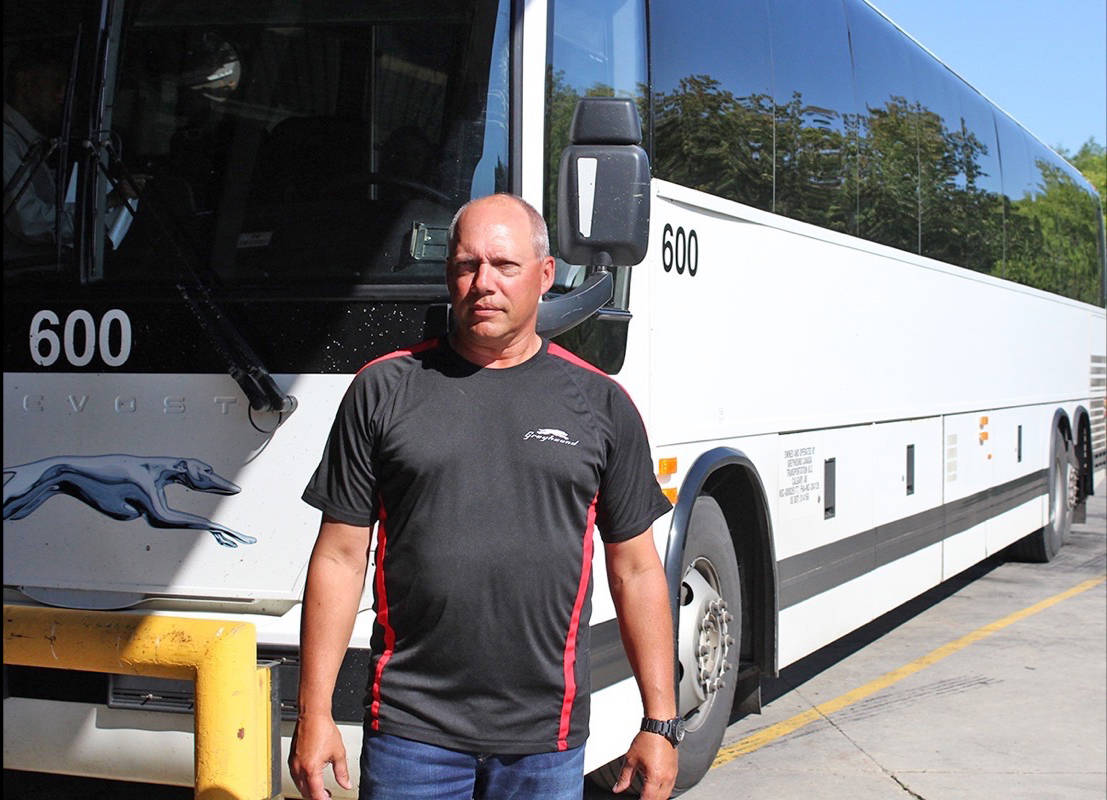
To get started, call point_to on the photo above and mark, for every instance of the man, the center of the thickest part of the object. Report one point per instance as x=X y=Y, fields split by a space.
x=484 y=459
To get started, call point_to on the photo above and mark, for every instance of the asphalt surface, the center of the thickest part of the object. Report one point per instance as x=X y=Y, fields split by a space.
x=977 y=689
x=1017 y=710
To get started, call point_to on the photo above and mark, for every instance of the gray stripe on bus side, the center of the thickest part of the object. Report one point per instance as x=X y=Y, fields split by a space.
x=608 y=660
x=807 y=574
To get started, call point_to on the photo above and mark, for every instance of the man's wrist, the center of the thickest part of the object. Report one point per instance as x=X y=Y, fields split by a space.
x=671 y=729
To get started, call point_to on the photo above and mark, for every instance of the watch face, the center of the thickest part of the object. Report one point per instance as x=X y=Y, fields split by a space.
x=678 y=730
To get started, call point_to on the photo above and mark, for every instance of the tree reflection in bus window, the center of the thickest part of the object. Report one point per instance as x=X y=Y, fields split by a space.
x=888 y=157
x=813 y=93
x=712 y=99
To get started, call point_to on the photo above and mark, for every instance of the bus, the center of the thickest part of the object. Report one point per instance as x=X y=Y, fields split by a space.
x=866 y=333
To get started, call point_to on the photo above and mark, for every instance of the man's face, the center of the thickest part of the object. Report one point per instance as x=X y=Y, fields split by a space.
x=494 y=276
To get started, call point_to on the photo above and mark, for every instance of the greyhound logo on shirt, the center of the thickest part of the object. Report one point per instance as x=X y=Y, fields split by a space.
x=551 y=435
x=121 y=486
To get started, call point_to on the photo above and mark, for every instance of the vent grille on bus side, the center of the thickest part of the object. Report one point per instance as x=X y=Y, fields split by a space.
x=1098 y=391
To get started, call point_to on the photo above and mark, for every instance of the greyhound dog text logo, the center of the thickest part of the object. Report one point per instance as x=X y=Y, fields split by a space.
x=121 y=486
x=551 y=435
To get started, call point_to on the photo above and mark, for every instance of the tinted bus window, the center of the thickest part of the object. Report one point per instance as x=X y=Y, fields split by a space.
x=942 y=180
x=310 y=142
x=1065 y=213
x=812 y=87
x=980 y=201
x=1020 y=185
x=888 y=157
x=712 y=103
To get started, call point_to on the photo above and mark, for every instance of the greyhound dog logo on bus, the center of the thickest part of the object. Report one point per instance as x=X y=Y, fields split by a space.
x=123 y=487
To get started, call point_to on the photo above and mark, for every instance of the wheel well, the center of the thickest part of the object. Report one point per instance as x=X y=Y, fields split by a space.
x=742 y=501
x=733 y=481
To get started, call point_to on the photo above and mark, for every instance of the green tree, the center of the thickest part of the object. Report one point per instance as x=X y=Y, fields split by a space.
x=1091 y=160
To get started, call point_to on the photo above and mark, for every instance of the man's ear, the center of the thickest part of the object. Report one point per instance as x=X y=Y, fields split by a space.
x=549 y=270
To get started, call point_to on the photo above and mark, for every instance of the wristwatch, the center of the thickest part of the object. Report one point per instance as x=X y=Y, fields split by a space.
x=671 y=729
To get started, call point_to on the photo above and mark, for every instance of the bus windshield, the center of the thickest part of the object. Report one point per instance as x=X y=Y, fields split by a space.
x=278 y=143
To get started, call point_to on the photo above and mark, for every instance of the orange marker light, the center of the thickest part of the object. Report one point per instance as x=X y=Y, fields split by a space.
x=666 y=466
x=671 y=494
x=983 y=436
x=983 y=421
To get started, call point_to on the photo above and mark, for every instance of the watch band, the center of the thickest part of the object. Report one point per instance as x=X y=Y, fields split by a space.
x=671 y=729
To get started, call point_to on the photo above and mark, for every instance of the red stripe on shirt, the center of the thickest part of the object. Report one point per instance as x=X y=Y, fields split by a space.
x=561 y=352
x=410 y=351
x=382 y=618
x=569 y=659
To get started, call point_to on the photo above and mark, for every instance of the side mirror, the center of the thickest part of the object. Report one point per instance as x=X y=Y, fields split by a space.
x=603 y=206
x=603 y=200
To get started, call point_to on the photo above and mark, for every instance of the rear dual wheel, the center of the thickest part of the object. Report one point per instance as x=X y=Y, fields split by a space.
x=1064 y=481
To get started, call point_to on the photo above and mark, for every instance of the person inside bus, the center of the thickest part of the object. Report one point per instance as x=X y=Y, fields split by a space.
x=34 y=96
x=35 y=85
x=485 y=459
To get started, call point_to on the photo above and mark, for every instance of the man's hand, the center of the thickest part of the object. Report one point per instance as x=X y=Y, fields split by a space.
x=652 y=757
x=316 y=742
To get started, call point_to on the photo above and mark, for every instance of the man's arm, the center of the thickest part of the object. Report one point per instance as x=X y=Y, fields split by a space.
x=641 y=597
x=335 y=578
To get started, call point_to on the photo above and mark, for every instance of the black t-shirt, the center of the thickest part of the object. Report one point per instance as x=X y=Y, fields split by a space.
x=486 y=484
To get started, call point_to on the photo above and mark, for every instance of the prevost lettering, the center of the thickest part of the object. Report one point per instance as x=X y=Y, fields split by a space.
x=123 y=404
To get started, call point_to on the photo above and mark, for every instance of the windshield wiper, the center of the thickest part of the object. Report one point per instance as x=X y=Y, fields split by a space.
x=242 y=363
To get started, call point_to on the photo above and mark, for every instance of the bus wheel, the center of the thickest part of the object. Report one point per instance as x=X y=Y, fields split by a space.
x=708 y=636
x=1044 y=544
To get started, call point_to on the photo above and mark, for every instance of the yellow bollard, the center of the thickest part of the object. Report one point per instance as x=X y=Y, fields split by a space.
x=232 y=711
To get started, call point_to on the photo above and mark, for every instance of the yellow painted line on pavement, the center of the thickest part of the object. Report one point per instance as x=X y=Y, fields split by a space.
x=773 y=732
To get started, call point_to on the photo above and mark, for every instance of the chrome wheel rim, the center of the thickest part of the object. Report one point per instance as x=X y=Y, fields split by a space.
x=704 y=642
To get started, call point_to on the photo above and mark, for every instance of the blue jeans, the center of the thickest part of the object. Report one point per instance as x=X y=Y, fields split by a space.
x=400 y=769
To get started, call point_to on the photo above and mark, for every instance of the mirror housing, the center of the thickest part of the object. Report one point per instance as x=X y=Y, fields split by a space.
x=603 y=200
x=603 y=206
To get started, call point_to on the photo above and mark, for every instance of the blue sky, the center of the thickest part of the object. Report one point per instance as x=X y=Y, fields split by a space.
x=1042 y=61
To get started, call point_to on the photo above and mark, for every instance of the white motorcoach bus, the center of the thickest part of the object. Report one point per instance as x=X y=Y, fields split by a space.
x=867 y=337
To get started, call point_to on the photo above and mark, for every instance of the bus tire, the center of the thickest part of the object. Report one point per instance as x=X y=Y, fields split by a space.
x=1045 y=543
x=710 y=574
x=708 y=638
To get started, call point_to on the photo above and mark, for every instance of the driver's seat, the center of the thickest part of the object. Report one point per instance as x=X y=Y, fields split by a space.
x=306 y=158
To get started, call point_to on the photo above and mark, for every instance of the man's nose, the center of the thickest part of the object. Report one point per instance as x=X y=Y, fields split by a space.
x=483 y=277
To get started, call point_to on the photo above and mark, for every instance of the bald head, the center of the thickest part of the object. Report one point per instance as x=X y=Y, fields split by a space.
x=540 y=236
x=496 y=274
